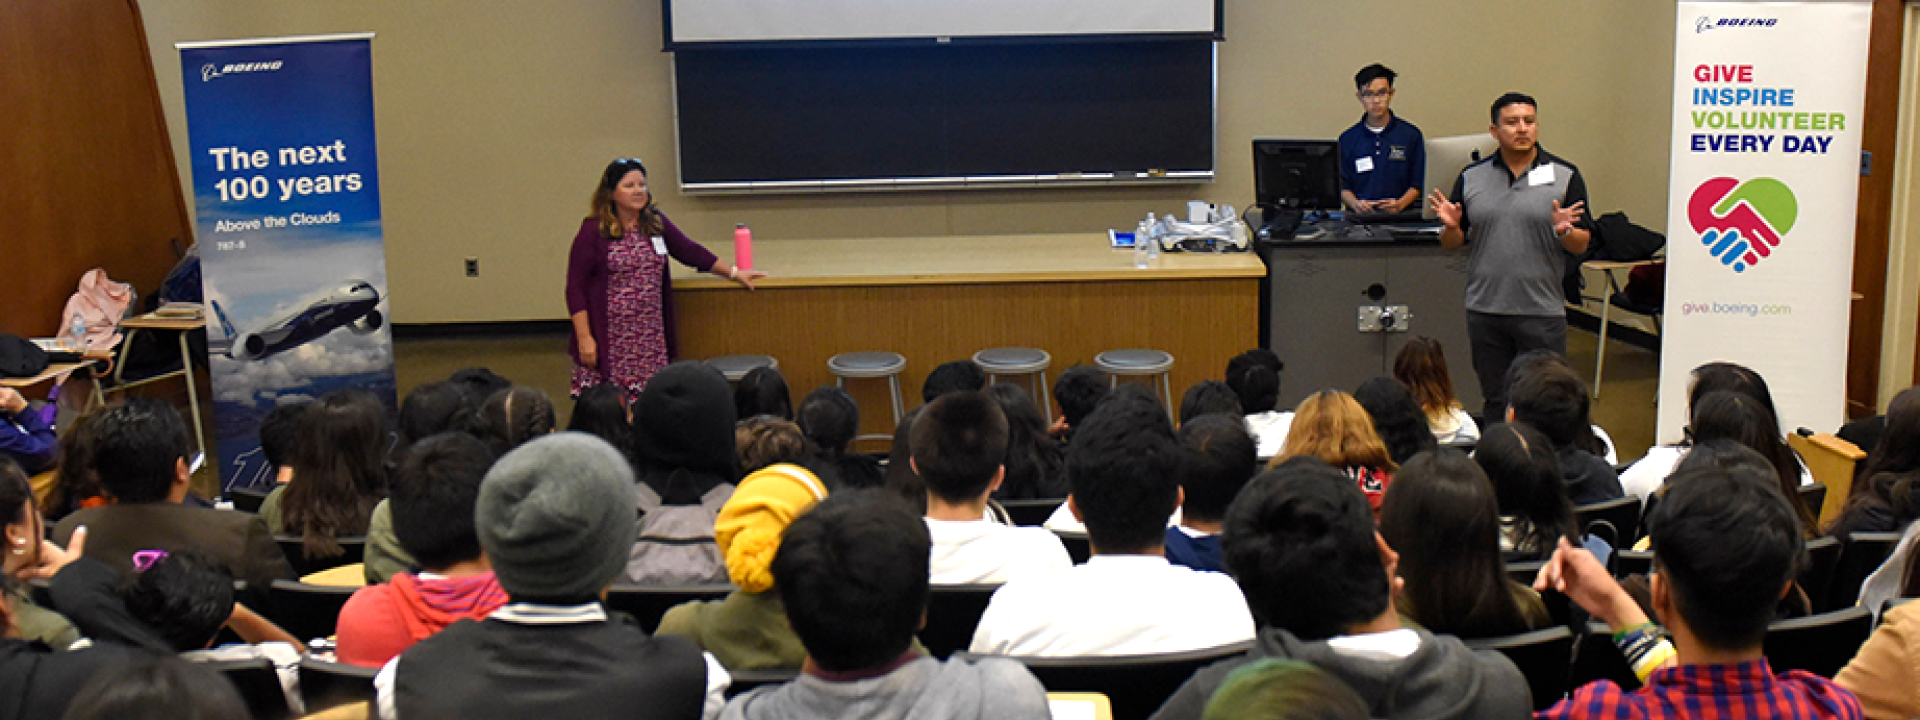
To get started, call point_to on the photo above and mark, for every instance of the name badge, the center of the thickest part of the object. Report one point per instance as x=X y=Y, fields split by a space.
x=660 y=244
x=1542 y=175
x=1364 y=164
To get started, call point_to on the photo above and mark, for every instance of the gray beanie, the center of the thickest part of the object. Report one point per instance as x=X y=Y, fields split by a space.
x=556 y=517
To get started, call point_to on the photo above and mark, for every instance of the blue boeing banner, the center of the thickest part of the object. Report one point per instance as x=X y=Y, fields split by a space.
x=287 y=194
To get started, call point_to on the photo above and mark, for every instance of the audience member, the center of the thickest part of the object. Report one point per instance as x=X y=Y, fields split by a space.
x=25 y=436
x=748 y=629
x=1885 y=675
x=158 y=688
x=1643 y=478
x=140 y=453
x=555 y=519
x=901 y=481
x=279 y=435
x=431 y=409
x=40 y=681
x=763 y=440
x=762 y=391
x=1254 y=375
x=1331 y=425
x=956 y=376
x=1422 y=366
x=959 y=443
x=513 y=416
x=77 y=486
x=601 y=410
x=1124 y=468
x=1739 y=418
x=1300 y=542
x=1595 y=440
x=1218 y=461
x=1442 y=515
x=684 y=426
x=1079 y=390
x=1525 y=473
x=853 y=576
x=1554 y=401
x=1209 y=397
x=1715 y=591
x=1036 y=467
x=830 y=420
x=339 y=473
x=433 y=498
x=1886 y=498
x=1274 y=689
x=23 y=553
x=480 y=384
x=1396 y=417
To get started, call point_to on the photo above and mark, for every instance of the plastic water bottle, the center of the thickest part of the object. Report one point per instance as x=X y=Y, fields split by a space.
x=742 y=247
x=1142 y=235
x=1153 y=248
x=77 y=333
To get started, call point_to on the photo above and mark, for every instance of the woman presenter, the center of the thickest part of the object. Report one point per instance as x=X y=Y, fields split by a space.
x=618 y=292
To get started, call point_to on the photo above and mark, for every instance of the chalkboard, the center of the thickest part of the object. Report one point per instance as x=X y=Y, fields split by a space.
x=878 y=113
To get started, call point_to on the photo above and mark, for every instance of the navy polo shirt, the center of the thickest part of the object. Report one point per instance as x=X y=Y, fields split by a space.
x=1398 y=155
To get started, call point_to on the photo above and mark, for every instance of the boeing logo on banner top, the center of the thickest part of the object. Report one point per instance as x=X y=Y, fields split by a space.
x=1706 y=23
x=210 y=71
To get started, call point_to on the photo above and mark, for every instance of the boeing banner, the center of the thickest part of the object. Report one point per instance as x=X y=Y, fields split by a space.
x=287 y=195
x=1767 y=98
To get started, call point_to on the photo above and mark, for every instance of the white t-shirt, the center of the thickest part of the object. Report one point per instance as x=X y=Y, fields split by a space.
x=979 y=551
x=1061 y=521
x=1646 y=475
x=1269 y=430
x=1457 y=429
x=1114 y=605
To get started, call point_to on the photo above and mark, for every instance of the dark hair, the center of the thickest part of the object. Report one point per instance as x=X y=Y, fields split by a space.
x=1299 y=541
x=1740 y=418
x=515 y=415
x=829 y=418
x=602 y=203
x=1441 y=516
x=480 y=384
x=1124 y=469
x=16 y=503
x=763 y=440
x=1893 y=468
x=1512 y=98
x=902 y=481
x=1398 y=419
x=1726 y=542
x=186 y=597
x=339 y=470
x=1373 y=72
x=78 y=480
x=953 y=376
x=280 y=432
x=1716 y=376
x=137 y=448
x=762 y=391
x=1554 y=401
x=853 y=575
x=1538 y=360
x=1422 y=366
x=1283 y=689
x=1209 y=397
x=1079 y=390
x=1220 y=457
x=959 y=444
x=434 y=408
x=433 y=499
x=1036 y=468
x=157 y=687
x=601 y=410
x=1525 y=472
x=1254 y=375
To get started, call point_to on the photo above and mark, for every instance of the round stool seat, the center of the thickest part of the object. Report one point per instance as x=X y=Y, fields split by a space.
x=1135 y=361
x=1012 y=360
x=736 y=367
x=866 y=364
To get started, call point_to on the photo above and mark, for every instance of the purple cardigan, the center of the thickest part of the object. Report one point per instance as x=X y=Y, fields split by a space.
x=587 y=280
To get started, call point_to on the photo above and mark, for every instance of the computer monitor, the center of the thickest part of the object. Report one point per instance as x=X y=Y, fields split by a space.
x=1447 y=156
x=1296 y=174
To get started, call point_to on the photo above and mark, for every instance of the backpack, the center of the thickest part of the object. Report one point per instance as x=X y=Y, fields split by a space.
x=676 y=545
x=1617 y=238
x=20 y=357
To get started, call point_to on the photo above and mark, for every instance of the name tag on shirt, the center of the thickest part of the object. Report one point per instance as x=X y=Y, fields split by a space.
x=1364 y=164
x=660 y=243
x=1542 y=175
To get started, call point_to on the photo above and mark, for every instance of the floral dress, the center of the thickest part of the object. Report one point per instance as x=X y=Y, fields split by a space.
x=635 y=345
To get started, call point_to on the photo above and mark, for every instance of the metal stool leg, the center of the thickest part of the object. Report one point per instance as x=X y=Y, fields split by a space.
x=1166 y=393
x=1046 y=401
x=1600 y=351
x=899 y=408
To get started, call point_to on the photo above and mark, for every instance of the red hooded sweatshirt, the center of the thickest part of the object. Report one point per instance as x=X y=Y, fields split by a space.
x=381 y=621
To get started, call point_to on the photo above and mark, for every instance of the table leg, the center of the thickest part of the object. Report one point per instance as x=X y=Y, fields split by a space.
x=193 y=393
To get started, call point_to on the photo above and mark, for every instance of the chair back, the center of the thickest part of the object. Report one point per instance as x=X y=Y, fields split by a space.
x=1031 y=513
x=247 y=499
x=1523 y=571
x=1860 y=555
x=1830 y=460
x=647 y=603
x=1541 y=655
x=354 y=549
x=1137 y=684
x=1823 y=559
x=1622 y=513
x=258 y=685
x=306 y=611
x=1079 y=547
x=1596 y=658
x=1819 y=644
x=327 y=685
x=953 y=611
x=1814 y=497
x=744 y=680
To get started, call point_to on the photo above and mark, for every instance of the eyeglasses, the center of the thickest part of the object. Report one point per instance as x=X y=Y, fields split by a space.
x=1376 y=94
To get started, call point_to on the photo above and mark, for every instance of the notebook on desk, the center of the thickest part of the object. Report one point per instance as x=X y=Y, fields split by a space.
x=57 y=350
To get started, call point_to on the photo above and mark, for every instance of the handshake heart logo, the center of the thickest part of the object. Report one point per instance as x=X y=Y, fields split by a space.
x=1741 y=222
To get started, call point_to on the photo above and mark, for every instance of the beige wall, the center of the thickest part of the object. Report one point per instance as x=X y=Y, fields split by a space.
x=496 y=117
x=1903 y=246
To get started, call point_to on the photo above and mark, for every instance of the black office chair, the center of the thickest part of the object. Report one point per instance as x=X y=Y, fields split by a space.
x=953 y=611
x=1596 y=658
x=1622 y=513
x=306 y=611
x=247 y=499
x=1030 y=513
x=1819 y=644
x=354 y=549
x=258 y=685
x=329 y=684
x=1541 y=655
x=1079 y=548
x=1860 y=555
x=647 y=603
x=1137 y=684
x=744 y=680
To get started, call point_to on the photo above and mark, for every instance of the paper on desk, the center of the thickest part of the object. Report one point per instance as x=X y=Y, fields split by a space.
x=1072 y=709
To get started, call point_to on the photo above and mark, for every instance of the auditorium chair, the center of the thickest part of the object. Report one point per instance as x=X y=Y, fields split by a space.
x=306 y=611
x=1030 y=513
x=1632 y=562
x=1524 y=571
x=1137 y=684
x=1813 y=496
x=744 y=680
x=1820 y=644
x=1830 y=460
x=1541 y=655
x=953 y=611
x=247 y=499
x=1596 y=658
x=354 y=549
x=329 y=684
x=1079 y=547
x=1823 y=559
x=1623 y=514
x=1860 y=555
x=647 y=603
x=258 y=685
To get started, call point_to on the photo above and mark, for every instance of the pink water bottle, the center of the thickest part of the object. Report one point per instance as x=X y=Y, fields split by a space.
x=742 y=247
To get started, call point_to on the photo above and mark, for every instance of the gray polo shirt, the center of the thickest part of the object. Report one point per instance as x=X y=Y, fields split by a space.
x=1515 y=261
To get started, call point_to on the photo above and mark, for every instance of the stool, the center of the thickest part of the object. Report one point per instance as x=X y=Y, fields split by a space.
x=1138 y=361
x=857 y=365
x=1606 y=307
x=736 y=367
x=1019 y=361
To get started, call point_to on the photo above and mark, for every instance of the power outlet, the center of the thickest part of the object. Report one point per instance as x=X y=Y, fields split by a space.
x=473 y=267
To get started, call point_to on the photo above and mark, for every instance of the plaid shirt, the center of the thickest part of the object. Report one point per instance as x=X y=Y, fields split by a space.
x=1713 y=692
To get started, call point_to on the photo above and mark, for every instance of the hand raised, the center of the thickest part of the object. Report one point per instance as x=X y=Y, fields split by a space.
x=1564 y=218
x=1448 y=211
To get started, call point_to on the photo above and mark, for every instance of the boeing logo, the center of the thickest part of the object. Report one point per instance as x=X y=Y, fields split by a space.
x=210 y=71
x=1705 y=23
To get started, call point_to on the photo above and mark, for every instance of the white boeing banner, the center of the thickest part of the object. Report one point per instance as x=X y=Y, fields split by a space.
x=1767 y=99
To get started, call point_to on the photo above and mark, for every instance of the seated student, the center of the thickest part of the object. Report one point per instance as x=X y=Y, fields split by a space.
x=25 y=436
x=428 y=410
x=513 y=416
x=1300 y=541
x=141 y=458
x=40 y=682
x=956 y=376
x=555 y=518
x=1036 y=467
x=1124 y=467
x=158 y=688
x=763 y=440
x=1442 y=514
x=1715 y=591
x=1078 y=391
x=748 y=629
x=1884 y=498
x=1643 y=477
x=683 y=422
x=853 y=575
x=1254 y=375
x=830 y=419
x=763 y=391
x=1273 y=689
x=1885 y=675
x=77 y=486
x=1396 y=417
x=1209 y=397
x=1595 y=440
x=432 y=501
x=1525 y=473
x=279 y=435
x=958 y=444
x=1554 y=401
x=1422 y=365
x=1331 y=425
x=339 y=473
x=602 y=410
x=1219 y=460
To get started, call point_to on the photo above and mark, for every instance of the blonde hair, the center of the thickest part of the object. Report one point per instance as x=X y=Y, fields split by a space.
x=1332 y=426
x=602 y=203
